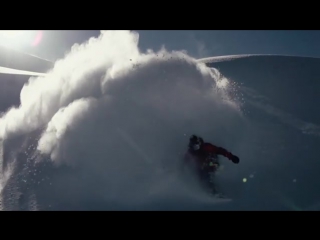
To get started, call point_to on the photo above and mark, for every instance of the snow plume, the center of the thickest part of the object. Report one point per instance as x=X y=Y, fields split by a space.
x=107 y=128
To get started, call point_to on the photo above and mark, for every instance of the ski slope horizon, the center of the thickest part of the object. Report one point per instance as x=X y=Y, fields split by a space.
x=108 y=133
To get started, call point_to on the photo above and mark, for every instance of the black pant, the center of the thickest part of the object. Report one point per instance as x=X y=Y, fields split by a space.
x=206 y=178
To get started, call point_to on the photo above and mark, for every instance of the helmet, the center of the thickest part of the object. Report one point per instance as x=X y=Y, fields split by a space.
x=195 y=142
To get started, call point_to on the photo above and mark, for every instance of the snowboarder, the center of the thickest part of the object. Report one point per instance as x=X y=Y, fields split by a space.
x=204 y=156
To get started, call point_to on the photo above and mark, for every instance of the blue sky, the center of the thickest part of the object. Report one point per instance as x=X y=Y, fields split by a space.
x=198 y=43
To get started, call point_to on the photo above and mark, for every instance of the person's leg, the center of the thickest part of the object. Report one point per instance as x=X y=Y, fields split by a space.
x=207 y=181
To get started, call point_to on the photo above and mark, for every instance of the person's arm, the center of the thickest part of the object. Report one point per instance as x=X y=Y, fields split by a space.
x=220 y=151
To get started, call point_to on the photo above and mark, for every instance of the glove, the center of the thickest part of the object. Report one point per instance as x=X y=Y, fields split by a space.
x=234 y=159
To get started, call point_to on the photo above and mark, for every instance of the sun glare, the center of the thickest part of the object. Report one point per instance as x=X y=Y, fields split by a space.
x=12 y=33
x=20 y=38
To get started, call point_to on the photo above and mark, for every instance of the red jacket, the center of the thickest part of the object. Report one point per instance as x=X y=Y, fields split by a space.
x=205 y=151
x=208 y=148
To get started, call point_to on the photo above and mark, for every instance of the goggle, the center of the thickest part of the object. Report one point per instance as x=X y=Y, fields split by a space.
x=196 y=146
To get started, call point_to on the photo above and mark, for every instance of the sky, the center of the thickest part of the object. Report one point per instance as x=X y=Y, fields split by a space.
x=53 y=45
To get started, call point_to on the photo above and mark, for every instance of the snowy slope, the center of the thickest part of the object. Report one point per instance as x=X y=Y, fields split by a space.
x=280 y=96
